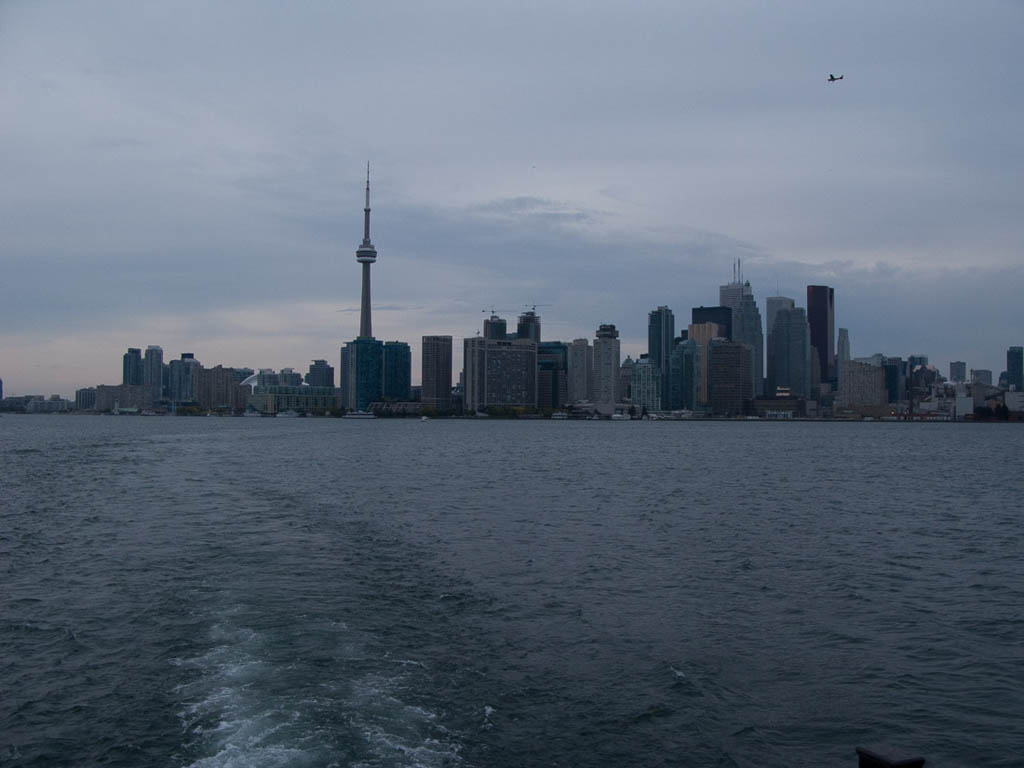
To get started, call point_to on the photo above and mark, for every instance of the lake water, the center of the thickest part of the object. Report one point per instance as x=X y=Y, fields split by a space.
x=314 y=592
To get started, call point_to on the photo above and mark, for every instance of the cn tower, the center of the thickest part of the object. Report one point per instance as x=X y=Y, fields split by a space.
x=366 y=254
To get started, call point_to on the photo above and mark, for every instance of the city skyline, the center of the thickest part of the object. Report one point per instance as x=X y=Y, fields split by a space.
x=197 y=207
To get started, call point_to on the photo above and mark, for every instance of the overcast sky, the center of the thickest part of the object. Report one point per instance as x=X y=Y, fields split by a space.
x=190 y=174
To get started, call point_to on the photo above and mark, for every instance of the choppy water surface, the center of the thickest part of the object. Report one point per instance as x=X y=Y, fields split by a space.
x=235 y=592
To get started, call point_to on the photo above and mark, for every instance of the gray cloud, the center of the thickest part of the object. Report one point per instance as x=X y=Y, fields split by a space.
x=186 y=162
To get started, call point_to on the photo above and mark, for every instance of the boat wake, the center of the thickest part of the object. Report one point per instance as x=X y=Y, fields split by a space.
x=256 y=697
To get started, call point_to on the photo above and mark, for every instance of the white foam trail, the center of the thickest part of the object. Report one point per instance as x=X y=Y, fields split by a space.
x=241 y=711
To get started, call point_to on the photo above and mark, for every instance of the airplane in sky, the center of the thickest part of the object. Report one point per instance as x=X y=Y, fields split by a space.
x=833 y=78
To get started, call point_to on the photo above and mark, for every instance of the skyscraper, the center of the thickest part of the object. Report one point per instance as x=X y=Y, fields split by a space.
x=153 y=371
x=552 y=374
x=397 y=371
x=821 y=318
x=661 y=332
x=684 y=376
x=320 y=374
x=366 y=255
x=773 y=305
x=581 y=368
x=362 y=366
x=842 y=354
x=730 y=385
x=437 y=372
x=895 y=373
x=645 y=389
x=606 y=367
x=721 y=316
x=958 y=371
x=528 y=326
x=495 y=328
x=1015 y=368
x=131 y=367
x=702 y=334
x=843 y=346
x=624 y=381
x=184 y=378
x=746 y=324
x=791 y=353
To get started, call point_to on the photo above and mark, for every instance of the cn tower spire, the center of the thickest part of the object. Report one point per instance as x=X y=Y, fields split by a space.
x=366 y=210
x=366 y=255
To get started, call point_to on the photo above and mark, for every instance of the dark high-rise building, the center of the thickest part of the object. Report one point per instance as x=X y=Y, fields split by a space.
x=343 y=374
x=773 y=305
x=661 y=332
x=320 y=374
x=821 y=316
x=184 y=378
x=958 y=371
x=791 y=354
x=131 y=367
x=895 y=373
x=437 y=372
x=153 y=371
x=722 y=316
x=730 y=378
x=495 y=328
x=581 y=370
x=362 y=365
x=624 y=381
x=528 y=326
x=289 y=378
x=552 y=374
x=683 y=377
x=1015 y=368
x=915 y=360
x=397 y=371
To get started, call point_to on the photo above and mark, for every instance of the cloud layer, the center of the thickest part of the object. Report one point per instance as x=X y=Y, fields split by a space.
x=191 y=176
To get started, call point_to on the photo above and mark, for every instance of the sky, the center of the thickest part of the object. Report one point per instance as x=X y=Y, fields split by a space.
x=191 y=174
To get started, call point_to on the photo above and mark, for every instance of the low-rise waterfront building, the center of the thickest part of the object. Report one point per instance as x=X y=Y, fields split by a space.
x=302 y=399
x=126 y=396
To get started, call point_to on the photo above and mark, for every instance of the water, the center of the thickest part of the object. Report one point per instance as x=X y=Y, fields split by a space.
x=304 y=592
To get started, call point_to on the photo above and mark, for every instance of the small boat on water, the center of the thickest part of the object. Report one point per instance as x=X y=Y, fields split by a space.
x=558 y=415
x=359 y=415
